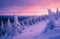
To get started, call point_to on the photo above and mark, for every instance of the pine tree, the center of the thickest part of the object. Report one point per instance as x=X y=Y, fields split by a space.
x=9 y=27
x=50 y=25
x=17 y=28
x=2 y=29
x=57 y=13
x=2 y=25
x=24 y=26
x=9 y=24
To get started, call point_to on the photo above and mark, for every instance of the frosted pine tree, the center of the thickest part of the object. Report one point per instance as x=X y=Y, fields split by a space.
x=57 y=14
x=51 y=22
x=2 y=29
x=9 y=28
x=50 y=25
x=16 y=28
x=2 y=25
x=9 y=24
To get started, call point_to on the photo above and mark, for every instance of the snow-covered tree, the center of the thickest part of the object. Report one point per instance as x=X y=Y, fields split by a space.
x=57 y=13
x=50 y=25
x=17 y=27
x=9 y=24
x=2 y=24
x=9 y=27
x=24 y=26
x=2 y=29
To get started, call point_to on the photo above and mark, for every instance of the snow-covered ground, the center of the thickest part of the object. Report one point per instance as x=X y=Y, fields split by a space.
x=57 y=22
x=32 y=31
x=35 y=32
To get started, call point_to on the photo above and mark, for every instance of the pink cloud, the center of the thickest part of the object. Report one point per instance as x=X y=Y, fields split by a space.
x=37 y=7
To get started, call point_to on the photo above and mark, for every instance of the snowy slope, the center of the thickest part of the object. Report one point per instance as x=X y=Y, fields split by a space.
x=35 y=31
x=52 y=34
x=32 y=31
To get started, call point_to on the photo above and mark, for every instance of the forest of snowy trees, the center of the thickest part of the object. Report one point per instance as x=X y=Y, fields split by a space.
x=9 y=28
x=12 y=29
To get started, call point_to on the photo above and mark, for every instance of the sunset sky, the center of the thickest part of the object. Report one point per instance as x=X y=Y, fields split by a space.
x=27 y=7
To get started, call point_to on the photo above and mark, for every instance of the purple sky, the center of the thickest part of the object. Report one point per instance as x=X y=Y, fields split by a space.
x=30 y=7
